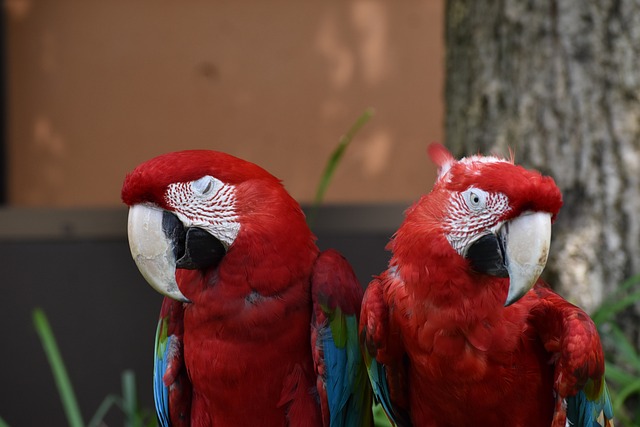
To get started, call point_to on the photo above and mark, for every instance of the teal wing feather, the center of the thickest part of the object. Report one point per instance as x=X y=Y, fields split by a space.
x=380 y=386
x=384 y=356
x=171 y=386
x=590 y=408
x=160 y=391
x=343 y=387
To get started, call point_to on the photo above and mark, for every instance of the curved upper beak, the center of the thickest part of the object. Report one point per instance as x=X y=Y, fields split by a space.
x=153 y=250
x=527 y=248
x=160 y=244
x=519 y=251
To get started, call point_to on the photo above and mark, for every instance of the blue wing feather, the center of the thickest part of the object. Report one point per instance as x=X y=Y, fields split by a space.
x=585 y=412
x=343 y=385
x=378 y=378
x=171 y=385
x=343 y=377
x=160 y=363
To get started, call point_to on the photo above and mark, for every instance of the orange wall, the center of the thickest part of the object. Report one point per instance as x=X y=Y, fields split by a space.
x=97 y=87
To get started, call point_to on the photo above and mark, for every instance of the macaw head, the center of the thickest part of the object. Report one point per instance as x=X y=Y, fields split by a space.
x=192 y=210
x=486 y=215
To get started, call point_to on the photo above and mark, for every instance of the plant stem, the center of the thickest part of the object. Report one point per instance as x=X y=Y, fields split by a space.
x=65 y=389
x=129 y=401
x=335 y=158
x=102 y=410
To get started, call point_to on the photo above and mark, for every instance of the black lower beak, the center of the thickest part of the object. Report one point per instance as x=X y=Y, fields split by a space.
x=201 y=250
x=486 y=255
x=194 y=248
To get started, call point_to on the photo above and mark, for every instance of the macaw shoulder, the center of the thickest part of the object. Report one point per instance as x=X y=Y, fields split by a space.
x=385 y=307
x=334 y=283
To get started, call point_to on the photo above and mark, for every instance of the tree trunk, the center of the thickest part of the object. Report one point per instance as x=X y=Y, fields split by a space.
x=558 y=82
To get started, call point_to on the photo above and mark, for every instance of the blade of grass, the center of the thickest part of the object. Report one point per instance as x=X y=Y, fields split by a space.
x=148 y=418
x=627 y=391
x=624 y=347
x=129 y=400
x=615 y=302
x=617 y=375
x=626 y=285
x=379 y=417
x=105 y=406
x=612 y=307
x=65 y=389
x=334 y=160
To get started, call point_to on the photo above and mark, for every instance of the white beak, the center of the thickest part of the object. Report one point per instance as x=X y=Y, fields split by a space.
x=526 y=250
x=152 y=250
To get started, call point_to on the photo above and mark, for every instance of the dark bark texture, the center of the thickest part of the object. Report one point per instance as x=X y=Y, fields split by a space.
x=558 y=82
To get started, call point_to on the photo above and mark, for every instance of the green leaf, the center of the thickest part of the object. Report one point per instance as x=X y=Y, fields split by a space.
x=3 y=423
x=129 y=399
x=103 y=409
x=617 y=375
x=624 y=347
x=607 y=311
x=63 y=383
x=624 y=394
x=616 y=303
x=380 y=417
x=334 y=160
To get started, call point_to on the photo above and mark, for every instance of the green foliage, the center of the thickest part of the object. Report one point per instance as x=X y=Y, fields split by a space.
x=379 y=417
x=65 y=390
x=128 y=402
x=623 y=358
x=335 y=158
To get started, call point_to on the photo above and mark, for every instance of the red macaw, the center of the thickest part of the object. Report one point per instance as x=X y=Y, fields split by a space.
x=460 y=330
x=258 y=327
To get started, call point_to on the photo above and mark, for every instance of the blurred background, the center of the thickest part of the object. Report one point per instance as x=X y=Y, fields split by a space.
x=91 y=89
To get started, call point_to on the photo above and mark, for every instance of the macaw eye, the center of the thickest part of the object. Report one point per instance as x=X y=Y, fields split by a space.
x=475 y=198
x=205 y=185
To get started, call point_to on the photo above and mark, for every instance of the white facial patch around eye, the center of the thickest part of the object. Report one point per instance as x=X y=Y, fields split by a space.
x=472 y=214
x=206 y=203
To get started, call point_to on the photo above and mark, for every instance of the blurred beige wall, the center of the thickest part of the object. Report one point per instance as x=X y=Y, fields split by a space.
x=97 y=87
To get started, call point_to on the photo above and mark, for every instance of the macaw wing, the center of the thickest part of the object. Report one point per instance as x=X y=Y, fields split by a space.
x=171 y=385
x=345 y=394
x=571 y=336
x=590 y=407
x=388 y=381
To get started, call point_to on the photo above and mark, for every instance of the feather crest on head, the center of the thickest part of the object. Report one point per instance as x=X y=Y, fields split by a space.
x=445 y=160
